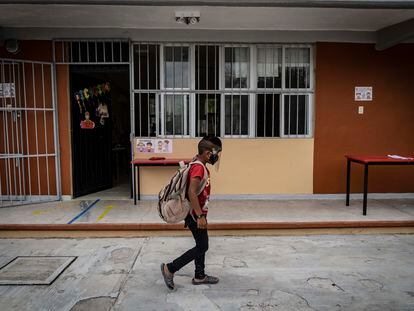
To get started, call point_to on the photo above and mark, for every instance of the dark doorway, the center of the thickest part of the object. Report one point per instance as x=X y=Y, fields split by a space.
x=100 y=128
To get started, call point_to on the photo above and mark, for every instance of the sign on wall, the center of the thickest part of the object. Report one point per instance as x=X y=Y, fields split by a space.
x=7 y=90
x=363 y=93
x=153 y=145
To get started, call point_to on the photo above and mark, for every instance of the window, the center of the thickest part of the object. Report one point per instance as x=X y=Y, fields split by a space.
x=175 y=114
x=268 y=115
x=296 y=114
x=176 y=64
x=269 y=67
x=237 y=67
x=207 y=67
x=207 y=78
x=145 y=118
x=207 y=114
x=91 y=51
x=146 y=64
x=236 y=115
x=237 y=90
x=297 y=72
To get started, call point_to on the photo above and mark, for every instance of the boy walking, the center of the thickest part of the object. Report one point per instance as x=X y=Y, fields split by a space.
x=209 y=149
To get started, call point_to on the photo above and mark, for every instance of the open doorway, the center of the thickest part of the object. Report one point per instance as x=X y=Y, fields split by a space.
x=100 y=130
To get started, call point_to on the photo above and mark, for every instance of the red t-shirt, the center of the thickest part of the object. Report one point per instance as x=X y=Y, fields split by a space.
x=197 y=170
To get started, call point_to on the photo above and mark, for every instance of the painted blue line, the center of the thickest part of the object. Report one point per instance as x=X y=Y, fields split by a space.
x=83 y=212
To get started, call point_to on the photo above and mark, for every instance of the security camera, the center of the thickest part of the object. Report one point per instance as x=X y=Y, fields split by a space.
x=12 y=46
x=193 y=20
x=189 y=18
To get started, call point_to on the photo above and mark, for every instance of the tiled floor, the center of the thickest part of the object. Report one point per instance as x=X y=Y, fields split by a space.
x=124 y=211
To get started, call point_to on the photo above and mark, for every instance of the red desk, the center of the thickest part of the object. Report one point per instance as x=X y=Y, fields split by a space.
x=367 y=161
x=137 y=163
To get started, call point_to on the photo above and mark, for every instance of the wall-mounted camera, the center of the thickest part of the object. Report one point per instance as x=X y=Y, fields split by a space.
x=188 y=18
x=12 y=46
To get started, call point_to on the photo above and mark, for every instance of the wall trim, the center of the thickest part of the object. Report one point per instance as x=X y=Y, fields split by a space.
x=338 y=196
x=193 y=35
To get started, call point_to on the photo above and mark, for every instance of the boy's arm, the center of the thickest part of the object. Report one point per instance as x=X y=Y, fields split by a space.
x=192 y=196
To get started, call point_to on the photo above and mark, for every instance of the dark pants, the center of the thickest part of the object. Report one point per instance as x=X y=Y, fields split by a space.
x=197 y=253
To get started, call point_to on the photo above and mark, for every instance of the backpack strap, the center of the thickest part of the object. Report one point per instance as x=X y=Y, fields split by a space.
x=203 y=182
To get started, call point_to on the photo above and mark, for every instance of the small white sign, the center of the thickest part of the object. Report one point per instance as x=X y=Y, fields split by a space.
x=7 y=90
x=363 y=93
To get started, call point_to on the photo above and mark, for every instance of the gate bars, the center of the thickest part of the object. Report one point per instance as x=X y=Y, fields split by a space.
x=29 y=164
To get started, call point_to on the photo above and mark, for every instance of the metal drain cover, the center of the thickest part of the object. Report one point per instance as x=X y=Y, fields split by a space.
x=34 y=270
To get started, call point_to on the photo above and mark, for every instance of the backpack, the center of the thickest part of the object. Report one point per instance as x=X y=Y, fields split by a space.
x=173 y=205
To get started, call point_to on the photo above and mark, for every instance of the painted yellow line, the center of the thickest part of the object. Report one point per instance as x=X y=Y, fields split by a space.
x=38 y=212
x=106 y=211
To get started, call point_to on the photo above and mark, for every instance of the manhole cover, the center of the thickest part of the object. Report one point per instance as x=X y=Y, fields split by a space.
x=33 y=270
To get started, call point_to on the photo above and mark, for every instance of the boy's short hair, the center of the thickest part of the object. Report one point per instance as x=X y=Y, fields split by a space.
x=208 y=143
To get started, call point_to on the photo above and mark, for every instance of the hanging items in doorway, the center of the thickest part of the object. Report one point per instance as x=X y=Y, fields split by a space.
x=93 y=103
x=87 y=123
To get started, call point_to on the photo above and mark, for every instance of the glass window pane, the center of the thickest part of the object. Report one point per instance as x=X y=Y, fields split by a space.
x=267 y=115
x=145 y=115
x=176 y=66
x=297 y=72
x=176 y=114
x=207 y=114
x=207 y=67
x=236 y=115
x=237 y=66
x=296 y=114
x=269 y=67
x=146 y=67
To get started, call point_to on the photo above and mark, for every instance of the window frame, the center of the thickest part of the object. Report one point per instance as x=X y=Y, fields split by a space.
x=251 y=91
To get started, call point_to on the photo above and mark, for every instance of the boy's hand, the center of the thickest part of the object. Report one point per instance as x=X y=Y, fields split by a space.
x=202 y=223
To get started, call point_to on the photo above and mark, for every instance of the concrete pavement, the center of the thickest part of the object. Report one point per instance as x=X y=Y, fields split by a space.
x=346 y=272
x=234 y=211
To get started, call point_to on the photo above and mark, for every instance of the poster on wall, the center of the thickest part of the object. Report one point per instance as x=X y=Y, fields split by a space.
x=7 y=90
x=363 y=93
x=153 y=145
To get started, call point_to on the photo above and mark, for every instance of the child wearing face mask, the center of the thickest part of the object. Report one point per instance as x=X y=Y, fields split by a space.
x=209 y=149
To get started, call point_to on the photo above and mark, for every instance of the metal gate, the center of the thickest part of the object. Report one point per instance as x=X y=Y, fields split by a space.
x=29 y=164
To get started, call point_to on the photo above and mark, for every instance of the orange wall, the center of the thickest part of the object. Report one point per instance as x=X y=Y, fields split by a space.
x=386 y=127
x=63 y=104
x=37 y=50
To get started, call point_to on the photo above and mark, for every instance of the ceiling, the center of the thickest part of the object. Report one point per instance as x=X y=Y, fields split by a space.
x=224 y=18
x=386 y=23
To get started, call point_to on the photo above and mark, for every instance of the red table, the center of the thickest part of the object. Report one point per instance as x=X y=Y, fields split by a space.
x=367 y=161
x=137 y=163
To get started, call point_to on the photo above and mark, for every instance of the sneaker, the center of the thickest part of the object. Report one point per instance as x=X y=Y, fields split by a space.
x=168 y=279
x=208 y=279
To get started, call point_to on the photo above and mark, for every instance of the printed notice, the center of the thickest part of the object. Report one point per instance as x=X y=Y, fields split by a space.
x=7 y=90
x=153 y=146
x=363 y=93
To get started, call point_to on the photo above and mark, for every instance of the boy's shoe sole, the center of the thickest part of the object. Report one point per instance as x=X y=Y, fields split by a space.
x=207 y=280
x=168 y=280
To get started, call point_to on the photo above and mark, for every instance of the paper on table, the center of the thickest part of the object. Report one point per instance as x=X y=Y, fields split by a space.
x=394 y=156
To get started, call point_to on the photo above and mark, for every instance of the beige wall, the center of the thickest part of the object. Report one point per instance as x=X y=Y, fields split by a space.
x=248 y=166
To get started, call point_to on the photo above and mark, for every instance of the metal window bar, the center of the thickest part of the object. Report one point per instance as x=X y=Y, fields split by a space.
x=84 y=47
x=36 y=134
x=45 y=130
x=148 y=94
x=13 y=119
x=19 y=136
